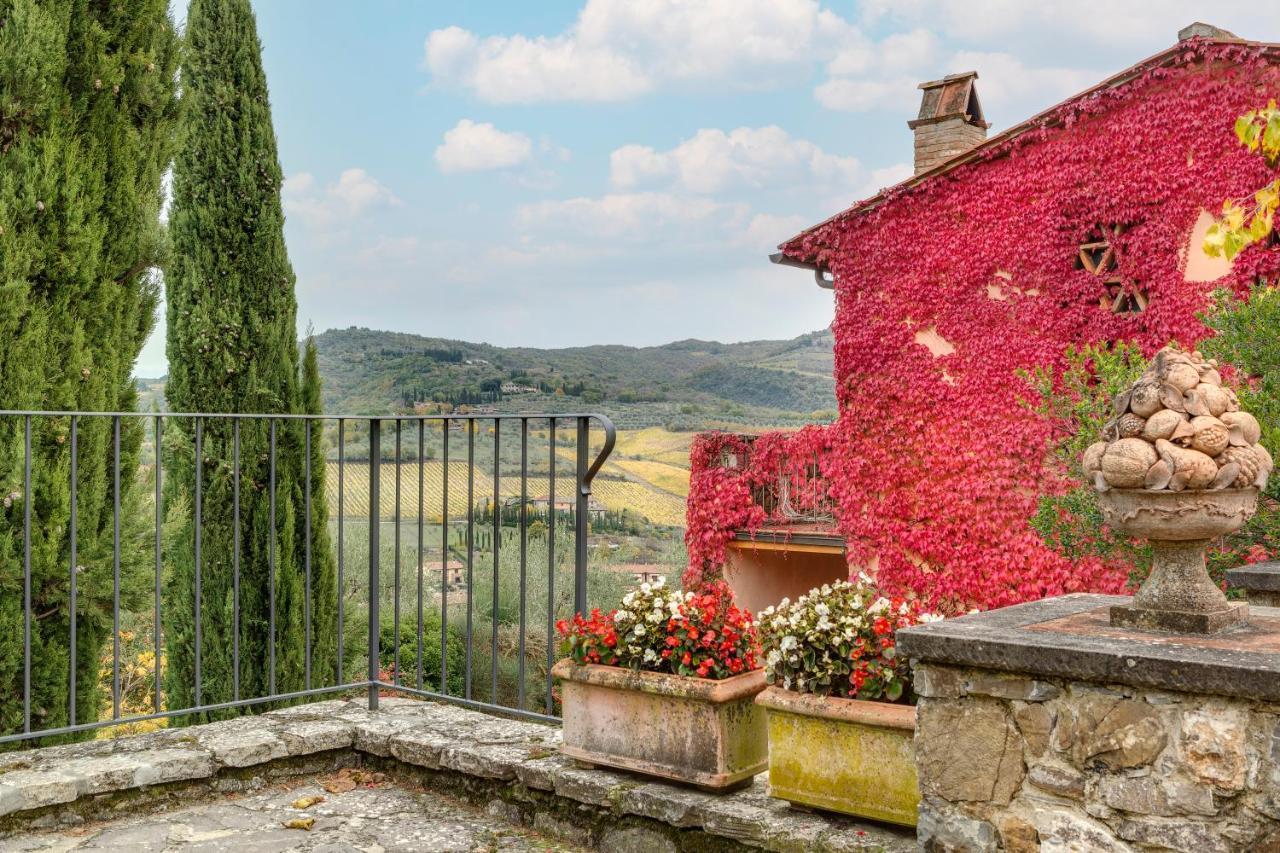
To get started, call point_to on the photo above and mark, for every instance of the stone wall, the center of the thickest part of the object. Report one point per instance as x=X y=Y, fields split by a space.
x=1017 y=763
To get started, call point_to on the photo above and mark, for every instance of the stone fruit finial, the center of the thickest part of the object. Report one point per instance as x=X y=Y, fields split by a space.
x=1179 y=429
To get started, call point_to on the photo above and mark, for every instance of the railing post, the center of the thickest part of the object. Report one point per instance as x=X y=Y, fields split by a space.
x=581 y=525
x=375 y=499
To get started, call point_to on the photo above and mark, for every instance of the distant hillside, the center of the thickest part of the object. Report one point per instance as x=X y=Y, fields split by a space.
x=372 y=372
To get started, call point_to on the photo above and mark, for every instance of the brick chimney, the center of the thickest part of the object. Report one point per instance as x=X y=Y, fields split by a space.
x=950 y=120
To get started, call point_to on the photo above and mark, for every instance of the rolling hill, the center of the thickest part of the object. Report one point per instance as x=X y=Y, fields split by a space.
x=372 y=372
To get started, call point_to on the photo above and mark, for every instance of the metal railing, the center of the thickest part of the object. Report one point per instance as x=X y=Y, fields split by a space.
x=77 y=535
x=794 y=491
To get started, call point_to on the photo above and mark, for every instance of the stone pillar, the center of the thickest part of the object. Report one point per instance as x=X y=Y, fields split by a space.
x=1041 y=725
x=1260 y=582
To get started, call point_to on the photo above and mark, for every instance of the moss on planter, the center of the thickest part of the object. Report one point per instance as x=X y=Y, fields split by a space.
x=847 y=756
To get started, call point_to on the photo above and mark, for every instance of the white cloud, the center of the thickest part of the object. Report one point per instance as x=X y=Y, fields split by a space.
x=391 y=250
x=479 y=146
x=518 y=69
x=621 y=49
x=857 y=94
x=907 y=51
x=1004 y=79
x=633 y=165
x=884 y=76
x=634 y=217
x=713 y=161
x=765 y=231
x=353 y=194
x=1131 y=23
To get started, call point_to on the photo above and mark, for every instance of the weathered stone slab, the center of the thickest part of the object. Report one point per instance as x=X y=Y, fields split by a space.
x=308 y=736
x=33 y=789
x=518 y=758
x=1070 y=637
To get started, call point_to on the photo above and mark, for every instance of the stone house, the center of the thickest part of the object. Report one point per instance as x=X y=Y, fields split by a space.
x=958 y=294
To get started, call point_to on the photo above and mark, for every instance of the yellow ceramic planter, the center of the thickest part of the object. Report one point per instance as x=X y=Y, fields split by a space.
x=706 y=733
x=843 y=755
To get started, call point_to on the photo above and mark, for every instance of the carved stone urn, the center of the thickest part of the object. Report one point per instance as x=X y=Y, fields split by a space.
x=1178 y=595
x=1179 y=465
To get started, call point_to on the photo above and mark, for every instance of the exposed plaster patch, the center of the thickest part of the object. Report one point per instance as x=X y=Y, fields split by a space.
x=1197 y=266
x=935 y=343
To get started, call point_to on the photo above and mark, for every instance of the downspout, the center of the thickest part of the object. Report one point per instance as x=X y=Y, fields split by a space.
x=821 y=275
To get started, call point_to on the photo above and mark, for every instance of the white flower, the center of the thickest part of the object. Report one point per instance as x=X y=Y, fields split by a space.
x=878 y=606
x=629 y=599
x=931 y=617
x=650 y=656
x=660 y=582
x=788 y=643
x=773 y=658
x=639 y=630
x=645 y=588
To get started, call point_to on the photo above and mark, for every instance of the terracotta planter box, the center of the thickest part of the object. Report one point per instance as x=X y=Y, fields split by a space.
x=844 y=755
x=694 y=730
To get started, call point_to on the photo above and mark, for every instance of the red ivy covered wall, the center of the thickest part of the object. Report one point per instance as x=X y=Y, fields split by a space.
x=937 y=463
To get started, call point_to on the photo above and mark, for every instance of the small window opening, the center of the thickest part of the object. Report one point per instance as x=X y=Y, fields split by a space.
x=1099 y=256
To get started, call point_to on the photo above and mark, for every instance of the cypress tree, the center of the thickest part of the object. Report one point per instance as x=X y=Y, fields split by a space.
x=232 y=346
x=324 y=591
x=87 y=118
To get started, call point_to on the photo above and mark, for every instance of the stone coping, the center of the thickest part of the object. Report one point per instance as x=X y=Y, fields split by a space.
x=1070 y=637
x=1258 y=577
x=880 y=714
x=712 y=691
x=423 y=737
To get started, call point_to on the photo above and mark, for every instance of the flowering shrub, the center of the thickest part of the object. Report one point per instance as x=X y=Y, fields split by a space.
x=838 y=641
x=701 y=634
x=938 y=462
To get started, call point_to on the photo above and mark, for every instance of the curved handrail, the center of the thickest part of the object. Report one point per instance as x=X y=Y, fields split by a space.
x=610 y=439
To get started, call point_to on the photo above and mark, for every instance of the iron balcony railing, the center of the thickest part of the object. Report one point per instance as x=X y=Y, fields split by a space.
x=793 y=490
x=207 y=475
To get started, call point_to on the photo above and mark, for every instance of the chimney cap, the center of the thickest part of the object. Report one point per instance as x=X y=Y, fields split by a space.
x=1199 y=29
x=953 y=96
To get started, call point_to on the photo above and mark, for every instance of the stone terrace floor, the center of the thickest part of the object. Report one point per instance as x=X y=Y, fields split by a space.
x=378 y=816
x=412 y=776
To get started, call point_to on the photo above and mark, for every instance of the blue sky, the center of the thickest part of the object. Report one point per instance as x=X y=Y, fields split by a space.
x=616 y=171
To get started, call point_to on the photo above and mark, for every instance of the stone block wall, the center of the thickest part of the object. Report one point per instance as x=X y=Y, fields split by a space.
x=1016 y=763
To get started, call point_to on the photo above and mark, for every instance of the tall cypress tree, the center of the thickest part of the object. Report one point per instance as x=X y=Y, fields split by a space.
x=232 y=346
x=87 y=119
x=324 y=583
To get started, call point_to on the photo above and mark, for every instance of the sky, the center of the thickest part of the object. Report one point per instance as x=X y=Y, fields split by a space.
x=616 y=171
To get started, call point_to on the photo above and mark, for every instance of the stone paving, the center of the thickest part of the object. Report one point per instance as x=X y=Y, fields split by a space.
x=512 y=771
x=379 y=816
